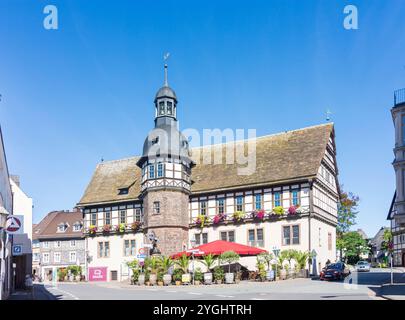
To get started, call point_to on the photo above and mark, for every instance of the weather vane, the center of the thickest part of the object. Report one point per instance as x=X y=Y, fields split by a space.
x=166 y=56
x=328 y=113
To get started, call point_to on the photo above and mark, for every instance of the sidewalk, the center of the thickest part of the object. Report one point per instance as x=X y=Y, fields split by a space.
x=38 y=293
x=395 y=291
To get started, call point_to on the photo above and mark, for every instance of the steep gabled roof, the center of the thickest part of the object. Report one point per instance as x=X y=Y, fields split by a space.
x=280 y=158
x=48 y=227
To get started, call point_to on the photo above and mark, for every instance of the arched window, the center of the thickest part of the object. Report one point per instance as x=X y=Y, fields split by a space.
x=161 y=108
x=169 y=108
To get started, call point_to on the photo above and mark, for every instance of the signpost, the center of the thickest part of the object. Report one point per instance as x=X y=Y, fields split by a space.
x=14 y=224
x=276 y=252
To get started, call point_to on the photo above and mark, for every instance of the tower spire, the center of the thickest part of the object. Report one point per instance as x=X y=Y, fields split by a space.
x=166 y=84
x=165 y=58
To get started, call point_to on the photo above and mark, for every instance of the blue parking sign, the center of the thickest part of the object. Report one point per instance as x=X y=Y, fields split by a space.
x=17 y=250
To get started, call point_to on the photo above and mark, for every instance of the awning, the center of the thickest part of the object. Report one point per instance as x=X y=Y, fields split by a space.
x=219 y=246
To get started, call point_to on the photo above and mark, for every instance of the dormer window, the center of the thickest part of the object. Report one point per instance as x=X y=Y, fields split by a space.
x=62 y=227
x=155 y=141
x=77 y=227
x=123 y=191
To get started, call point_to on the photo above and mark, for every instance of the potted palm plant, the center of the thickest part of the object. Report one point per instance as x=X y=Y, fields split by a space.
x=183 y=262
x=229 y=257
x=282 y=257
x=154 y=266
x=209 y=261
x=301 y=259
x=134 y=266
x=166 y=263
x=142 y=272
x=160 y=275
x=219 y=274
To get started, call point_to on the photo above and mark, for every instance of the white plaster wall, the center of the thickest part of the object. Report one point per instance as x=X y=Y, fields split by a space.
x=22 y=205
x=116 y=258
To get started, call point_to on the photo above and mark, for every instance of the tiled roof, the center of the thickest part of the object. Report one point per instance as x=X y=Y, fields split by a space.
x=280 y=158
x=48 y=227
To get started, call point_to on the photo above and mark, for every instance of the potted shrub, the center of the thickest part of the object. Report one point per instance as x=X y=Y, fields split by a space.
x=258 y=215
x=166 y=263
x=284 y=271
x=61 y=274
x=261 y=268
x=201 y=220
x=209 y=261
x=238 y=216
x=135 y=226
x=177 y=273
x=198 y=276
x=219 y=274
x=238 y=276
x=229 y=257
x=218 y=218
x=107 y=228
x=92 y=230
x=120 y=228
x=279 y=210
x=147 y=278
x=160 y=275
x=292 y=210
x=134 y=266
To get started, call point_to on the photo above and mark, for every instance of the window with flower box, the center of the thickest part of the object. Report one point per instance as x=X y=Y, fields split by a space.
x=107 y=217
x=258 y=202
x=221 y=206
x=277 y=199
x=123 y=216
x=295 y=198
x=203 y=208
x=239 y=203
x=138 y=215
x=93 y=219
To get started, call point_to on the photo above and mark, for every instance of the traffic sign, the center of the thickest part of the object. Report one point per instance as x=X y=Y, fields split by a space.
x=141 y=256
x=14 y=224
x=17 y=250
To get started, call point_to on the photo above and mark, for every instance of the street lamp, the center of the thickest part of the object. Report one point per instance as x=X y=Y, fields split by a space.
x=276 y=252
x=193 y=242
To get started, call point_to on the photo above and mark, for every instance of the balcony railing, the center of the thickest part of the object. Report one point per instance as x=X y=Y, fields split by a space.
x=399 y=97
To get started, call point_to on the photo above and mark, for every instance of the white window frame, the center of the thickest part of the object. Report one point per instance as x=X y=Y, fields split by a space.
x=74 y=243
x=57 y=254
x=70 y=256
x=45 y=254
x=58 y=244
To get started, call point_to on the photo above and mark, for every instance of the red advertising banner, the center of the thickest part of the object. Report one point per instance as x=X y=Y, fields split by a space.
x=98 y=274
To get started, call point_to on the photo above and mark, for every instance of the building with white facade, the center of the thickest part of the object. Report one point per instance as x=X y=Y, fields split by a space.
x=22 y=206
x=6 y=208
x=397 y=210
x=289 y=201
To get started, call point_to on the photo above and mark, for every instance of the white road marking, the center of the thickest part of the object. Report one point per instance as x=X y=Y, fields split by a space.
x=172 y=291
x=198 y=294
x=224 y=296
x=65 y=293
x=257 y=299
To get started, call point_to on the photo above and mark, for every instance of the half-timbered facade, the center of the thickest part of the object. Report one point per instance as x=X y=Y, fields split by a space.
x=289 y=201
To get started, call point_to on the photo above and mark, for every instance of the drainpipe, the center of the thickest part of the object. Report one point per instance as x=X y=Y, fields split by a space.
x=311 y=208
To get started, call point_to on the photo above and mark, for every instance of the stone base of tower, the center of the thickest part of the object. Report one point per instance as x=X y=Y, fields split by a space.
x=171 y=240
x=171 y=223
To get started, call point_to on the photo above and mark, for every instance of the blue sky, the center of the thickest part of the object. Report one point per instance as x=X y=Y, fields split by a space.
x=85 y=91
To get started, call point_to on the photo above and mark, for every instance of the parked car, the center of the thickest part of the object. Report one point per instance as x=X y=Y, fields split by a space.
x=335 y=271
x=362 y=266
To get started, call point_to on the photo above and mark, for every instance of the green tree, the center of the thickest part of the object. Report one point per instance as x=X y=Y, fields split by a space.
x=229 y=257
x=354 y=245
x=346 y=216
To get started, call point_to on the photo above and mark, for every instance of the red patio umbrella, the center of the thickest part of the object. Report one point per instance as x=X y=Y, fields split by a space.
x=219 y=246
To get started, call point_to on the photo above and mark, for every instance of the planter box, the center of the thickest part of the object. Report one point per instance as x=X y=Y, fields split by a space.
x=153 y=279
x=208 y=278
x=270 y=275
x=186 y=278
x=283 y=274
x=167 y=279
x=229 y=277
x=303 y=273
x=141 y=279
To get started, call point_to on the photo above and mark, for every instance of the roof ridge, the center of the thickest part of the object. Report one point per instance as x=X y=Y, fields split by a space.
x=265 y=136
x=118 y=160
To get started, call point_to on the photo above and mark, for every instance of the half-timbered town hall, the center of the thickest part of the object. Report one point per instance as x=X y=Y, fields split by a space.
x=288 y=202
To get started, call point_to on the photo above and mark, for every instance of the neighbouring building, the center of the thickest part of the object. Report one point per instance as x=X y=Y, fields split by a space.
x=396 y=212
x=22 y=206
x=377 y=253
x=168 y=190
x=59 y=241
x=6 y=208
